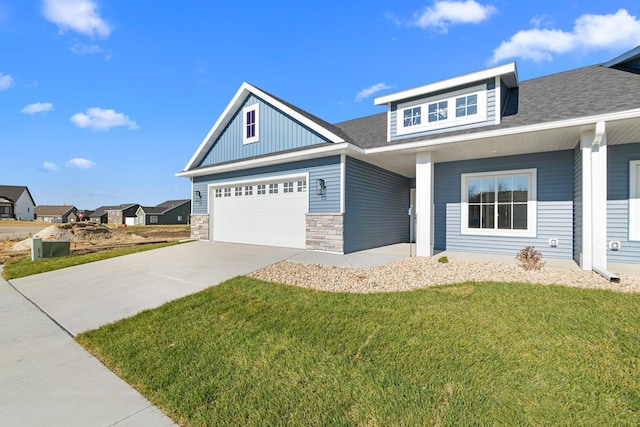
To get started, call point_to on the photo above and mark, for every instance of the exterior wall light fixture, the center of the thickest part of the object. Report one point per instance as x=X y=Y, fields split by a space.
x=321 y=187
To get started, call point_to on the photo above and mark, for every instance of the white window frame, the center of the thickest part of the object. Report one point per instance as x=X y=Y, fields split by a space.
x=153 y=219
x=634 y=200
x=262 y=189
x=227 y=191
x=302 y=186
x=451 y=120
x=256 y=135
x=532 y=204
x=273 y=188
x=248 y=190
x=238 y=191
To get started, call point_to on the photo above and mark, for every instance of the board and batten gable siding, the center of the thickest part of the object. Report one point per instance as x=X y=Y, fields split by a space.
x=327 y=168
x=376 y=207
x=577 y=204
x=554 y=205
x=490 y=120
x=277 y=132
x=618 y=158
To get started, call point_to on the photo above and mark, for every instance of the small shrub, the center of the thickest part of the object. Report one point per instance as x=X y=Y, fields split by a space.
x=443 y=260
x=530 y=259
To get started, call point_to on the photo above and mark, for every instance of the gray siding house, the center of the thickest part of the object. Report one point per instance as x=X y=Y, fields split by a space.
x=480 y=162
x=169 y=212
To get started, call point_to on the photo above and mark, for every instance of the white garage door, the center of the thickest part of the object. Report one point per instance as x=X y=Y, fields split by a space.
x=268 y=213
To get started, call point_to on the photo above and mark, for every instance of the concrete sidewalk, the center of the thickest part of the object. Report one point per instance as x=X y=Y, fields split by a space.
x=47 y=379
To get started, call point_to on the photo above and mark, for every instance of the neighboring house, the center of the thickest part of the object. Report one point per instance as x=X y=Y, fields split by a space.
x=16 y=203
x=121 y=214
x=56 y=214
x=487 y=163
x=169 y=212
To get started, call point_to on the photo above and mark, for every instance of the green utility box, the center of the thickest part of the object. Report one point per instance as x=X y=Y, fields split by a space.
x=49 y=249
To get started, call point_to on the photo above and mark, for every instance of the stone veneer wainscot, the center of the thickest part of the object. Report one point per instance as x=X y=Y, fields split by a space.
x=325 y=232
x=200 y=226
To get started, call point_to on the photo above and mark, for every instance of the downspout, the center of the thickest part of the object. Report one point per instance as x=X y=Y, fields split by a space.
x=597 y=266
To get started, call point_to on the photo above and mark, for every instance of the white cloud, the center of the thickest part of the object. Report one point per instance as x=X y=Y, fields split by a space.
x=48 y=166
x=80 y=163
x=38 y=107
x=590 y=32
x=6 y=81
x=80 y=16
x=445 y=13
x=365 y=93
x=84 y=49
x=101 y=119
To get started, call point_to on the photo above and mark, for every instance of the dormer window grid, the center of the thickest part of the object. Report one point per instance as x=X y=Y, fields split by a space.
x=461 y=107
x=412 y=116
x=438 y=111
x=466 y=105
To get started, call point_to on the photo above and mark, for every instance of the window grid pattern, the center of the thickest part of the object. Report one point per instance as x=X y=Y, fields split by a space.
x=498 y=202
x=412 y=116
x=250 y=129
x=438 y=111
x=466 y=105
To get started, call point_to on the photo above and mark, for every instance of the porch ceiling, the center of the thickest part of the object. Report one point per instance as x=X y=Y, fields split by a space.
x=402 y=161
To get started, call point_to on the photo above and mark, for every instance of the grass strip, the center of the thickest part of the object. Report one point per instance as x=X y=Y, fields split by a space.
x=249 y=352
x=22 y=266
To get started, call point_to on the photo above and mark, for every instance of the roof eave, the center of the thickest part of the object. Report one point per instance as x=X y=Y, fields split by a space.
x=581 y=121
x=508 y=72
x=635 y=52
x=311 y=153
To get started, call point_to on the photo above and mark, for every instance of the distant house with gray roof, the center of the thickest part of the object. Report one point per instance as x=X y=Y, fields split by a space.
x=56 y=214
x=476 y=163
x=169 y=212
x=16 y=203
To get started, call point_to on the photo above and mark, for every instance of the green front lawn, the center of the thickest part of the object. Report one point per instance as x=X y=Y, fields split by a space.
x=248 y=352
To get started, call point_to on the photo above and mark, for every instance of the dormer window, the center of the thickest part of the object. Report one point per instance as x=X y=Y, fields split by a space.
x=461 y=107
x=466 y=105
x=250 y=123
x=438 y=111
x=412 y=116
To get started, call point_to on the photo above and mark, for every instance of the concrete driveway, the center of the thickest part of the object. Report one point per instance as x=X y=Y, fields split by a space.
x=88 y=296
x=46 y=378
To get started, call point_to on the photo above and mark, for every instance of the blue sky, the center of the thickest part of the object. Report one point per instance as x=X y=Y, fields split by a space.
x=103 y=101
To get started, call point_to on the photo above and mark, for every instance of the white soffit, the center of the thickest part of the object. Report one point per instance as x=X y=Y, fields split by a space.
x=507 y=72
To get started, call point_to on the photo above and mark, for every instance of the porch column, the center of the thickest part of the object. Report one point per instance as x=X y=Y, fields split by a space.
x=424 y=204
x=594 y=197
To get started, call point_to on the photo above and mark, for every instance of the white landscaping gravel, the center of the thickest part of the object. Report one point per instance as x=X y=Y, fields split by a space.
x=420 y=272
